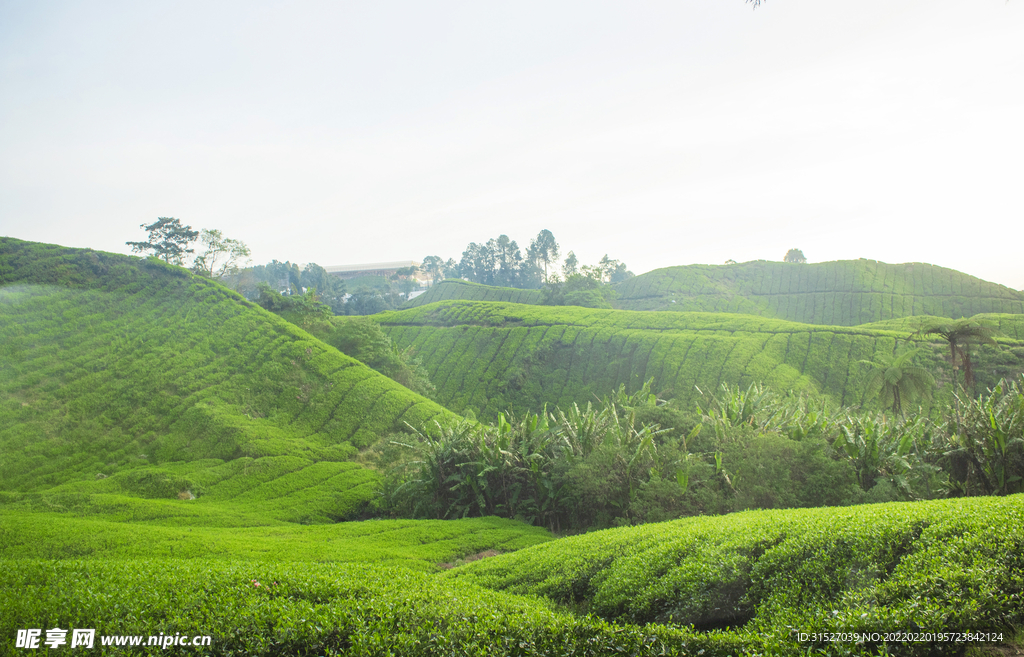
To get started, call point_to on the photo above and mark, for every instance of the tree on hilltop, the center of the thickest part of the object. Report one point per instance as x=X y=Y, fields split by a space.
x=330 y=289
x=222 y=256
x=508 y=259
x=433 y=266
x=478 y=263
x=405 y=280
x=544 y=249
x=795 y=255
x=451 y=269
x=168 y=240
x=613 y=270
x=571 y=266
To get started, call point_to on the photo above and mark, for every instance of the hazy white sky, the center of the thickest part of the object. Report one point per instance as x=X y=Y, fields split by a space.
x=661 y=133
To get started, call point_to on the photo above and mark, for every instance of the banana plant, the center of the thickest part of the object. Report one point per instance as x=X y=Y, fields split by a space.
x=757 y=406
x=987 y=436
x=880 y=449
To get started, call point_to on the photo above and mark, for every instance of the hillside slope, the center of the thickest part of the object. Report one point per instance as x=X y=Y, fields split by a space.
x=458 y=289
x=491 y=356
x=842 y=293
x=132 y=377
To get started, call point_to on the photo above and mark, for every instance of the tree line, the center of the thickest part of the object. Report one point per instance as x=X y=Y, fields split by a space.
x=499 y=261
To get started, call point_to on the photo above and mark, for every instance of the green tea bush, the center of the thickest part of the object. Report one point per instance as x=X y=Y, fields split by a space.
x=293 y=609
x=459 y=289
x=119 y=527
x=952 y=565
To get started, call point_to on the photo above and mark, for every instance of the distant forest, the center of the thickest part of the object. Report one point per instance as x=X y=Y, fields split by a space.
x=498 y=261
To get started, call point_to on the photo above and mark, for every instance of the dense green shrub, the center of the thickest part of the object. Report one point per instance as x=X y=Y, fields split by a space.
x=579 y=468
x=983 y=442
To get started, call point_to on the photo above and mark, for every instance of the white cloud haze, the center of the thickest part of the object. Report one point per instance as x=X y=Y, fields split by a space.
x=661 y=133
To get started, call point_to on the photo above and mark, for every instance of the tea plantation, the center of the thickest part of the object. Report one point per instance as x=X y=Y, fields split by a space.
x=128 y=376
x=488 y=356
x=842 y=293
x=459 y=289
x=743 y=584
x=176 y=462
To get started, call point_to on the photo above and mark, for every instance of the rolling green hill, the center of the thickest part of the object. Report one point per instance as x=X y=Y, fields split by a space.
x=488 y=356
x=132 y=377
x=843 y=293
x=459 y=289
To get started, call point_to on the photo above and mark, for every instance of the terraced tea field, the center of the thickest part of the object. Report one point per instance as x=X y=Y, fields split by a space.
x=490 y=356
x=459 y=289
x=130 y=376
x=840 y=293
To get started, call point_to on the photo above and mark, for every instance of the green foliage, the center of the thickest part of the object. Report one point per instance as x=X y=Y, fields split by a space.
x=579 y=290
x=795 y=255
x=732 y=407
x=932 y=567
x=168 y=240
x=303 y=609
x=886 y=450
x=536 y=468
x=305 y=310
x=544 y=249
x=579 y=468
x=895 y=379
x=222 y=255
x=984 y=446
x=108 y=527
x=960 y=336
